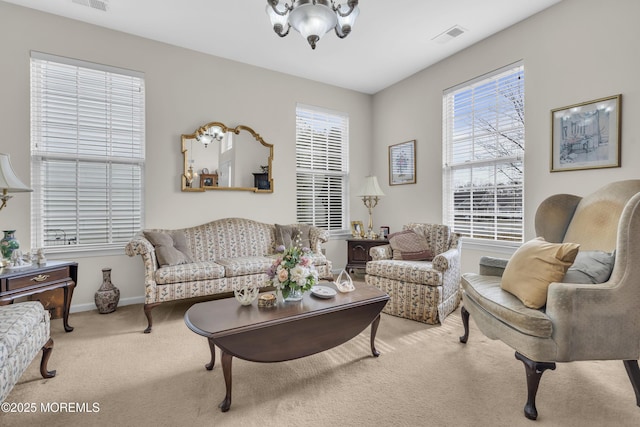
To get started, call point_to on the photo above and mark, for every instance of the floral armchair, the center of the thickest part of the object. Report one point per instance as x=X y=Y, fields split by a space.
x=425 y=287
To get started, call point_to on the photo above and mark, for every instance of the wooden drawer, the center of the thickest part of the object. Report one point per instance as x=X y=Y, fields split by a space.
x=37 y=279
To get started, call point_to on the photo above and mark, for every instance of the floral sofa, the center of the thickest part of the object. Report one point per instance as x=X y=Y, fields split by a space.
x=215 y=257
x=24 y=331
x=424 y=285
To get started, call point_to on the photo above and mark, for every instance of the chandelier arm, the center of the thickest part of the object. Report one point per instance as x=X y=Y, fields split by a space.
x=351 y=3
x=287 y=8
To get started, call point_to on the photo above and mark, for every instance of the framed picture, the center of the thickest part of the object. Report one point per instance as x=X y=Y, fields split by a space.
x=357 y=229
x=384 y=231
x=586 y=135
x=208 y=180
x=402 y=163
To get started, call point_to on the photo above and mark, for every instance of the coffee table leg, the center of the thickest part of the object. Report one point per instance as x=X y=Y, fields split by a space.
x=374 y=330
x=226 y=370
x=212 y=347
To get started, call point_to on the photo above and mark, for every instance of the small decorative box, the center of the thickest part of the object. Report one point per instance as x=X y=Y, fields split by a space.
x=267 y=300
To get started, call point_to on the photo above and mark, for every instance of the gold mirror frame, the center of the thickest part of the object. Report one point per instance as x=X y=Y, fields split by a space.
x=185 y=138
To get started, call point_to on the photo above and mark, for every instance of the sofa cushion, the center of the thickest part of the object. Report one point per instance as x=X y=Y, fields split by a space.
x=201 y=270
x=288 y=235
x=504 y=306
x=534 y=266
x=420 y=272
x=590 y=267
x=411 y=246
x=243 y=266
x=171 y=247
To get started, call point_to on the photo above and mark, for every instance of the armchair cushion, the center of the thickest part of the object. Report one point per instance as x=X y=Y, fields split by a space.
x=590 y=267
x=534 y=266
x=410 y=246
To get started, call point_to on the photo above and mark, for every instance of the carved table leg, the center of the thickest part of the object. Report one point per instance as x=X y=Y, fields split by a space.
x=68 y=293
x=147 y=312
x=374 y=330
x=534 y=372
x=634 y=376
x=212 y=347
x=226 y=370
x=46 y=353
x=465 y=323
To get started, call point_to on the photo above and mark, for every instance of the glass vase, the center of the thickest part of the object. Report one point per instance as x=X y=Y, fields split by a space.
x=294 y=295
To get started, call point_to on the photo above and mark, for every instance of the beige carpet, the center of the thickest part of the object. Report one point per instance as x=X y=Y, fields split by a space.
x=424 y=377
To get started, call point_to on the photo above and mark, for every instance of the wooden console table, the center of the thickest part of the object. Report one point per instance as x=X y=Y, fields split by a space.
x=34 y=280
x=358 y=252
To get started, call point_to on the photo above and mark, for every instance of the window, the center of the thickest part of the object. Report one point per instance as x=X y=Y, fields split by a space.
x=483 y=156
x=87 y=154
x=322 y=168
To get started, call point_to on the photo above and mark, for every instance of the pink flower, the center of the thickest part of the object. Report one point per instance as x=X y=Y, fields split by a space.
x=283 y=275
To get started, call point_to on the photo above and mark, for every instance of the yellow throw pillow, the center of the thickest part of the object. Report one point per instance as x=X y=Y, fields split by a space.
x=535 y=265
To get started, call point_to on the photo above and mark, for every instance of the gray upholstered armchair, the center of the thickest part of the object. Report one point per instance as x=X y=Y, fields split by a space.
x=581 y=321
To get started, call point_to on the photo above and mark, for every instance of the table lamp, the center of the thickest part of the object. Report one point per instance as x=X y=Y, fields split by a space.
x=9 y=182
x=370 y=194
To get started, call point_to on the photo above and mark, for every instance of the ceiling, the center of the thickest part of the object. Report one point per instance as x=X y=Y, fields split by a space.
x=390 y=41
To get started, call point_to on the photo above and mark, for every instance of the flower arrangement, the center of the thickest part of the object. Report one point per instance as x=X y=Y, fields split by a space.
x=293 y=271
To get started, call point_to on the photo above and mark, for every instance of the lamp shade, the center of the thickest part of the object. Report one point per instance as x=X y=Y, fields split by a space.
x=311 y=19
x=8 y=179
x=371 y=187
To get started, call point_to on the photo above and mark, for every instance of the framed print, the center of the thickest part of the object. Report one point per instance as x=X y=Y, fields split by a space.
x=586 y=135
x=357 y=229
x=384 y=231
x=402 y=163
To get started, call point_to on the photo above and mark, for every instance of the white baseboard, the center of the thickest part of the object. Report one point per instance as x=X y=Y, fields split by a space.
x=76 y=308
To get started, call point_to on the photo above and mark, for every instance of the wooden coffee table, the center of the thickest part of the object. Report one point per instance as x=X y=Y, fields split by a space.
x=287 y=331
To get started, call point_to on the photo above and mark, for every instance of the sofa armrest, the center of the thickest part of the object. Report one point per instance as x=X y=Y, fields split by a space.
x=378 y=253
x=317 y=236
x=139 y=245
x=491 y=266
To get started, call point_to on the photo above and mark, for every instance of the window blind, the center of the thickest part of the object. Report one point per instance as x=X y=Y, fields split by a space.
x=322 y=167
x=87 y=153
x=483 y=156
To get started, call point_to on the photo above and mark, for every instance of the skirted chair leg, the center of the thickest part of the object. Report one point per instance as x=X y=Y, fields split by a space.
x=634 y=376
x=534 y=372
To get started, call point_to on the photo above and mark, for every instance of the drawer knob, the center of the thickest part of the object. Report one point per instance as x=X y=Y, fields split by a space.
x=40 y=278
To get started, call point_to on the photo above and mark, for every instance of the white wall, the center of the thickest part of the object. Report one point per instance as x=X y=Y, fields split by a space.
x=184 y=90
x=575 y=51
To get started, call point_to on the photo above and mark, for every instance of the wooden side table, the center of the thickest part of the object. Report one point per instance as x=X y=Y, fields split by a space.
x=358 y=252
x=37 y=283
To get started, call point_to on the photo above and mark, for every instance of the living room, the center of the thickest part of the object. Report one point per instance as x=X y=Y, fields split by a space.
x=573 y=52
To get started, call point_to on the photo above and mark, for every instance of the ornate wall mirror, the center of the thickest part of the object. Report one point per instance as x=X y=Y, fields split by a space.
x=217 y=157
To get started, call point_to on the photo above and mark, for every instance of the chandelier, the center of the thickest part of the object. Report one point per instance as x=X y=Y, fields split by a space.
x=207 y=135
x=313 y=18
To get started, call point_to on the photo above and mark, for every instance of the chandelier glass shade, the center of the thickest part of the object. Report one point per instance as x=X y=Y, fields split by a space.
x=313 y=18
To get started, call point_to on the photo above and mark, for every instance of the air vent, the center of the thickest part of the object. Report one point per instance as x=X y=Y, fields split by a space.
x=449 y=34
x=95 y=4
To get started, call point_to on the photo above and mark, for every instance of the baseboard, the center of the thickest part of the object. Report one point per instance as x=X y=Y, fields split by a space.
x=76 y=308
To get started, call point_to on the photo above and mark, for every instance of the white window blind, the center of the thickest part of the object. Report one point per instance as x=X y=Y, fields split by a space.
x=87 y=154
x=322 y=167
x=483 y=156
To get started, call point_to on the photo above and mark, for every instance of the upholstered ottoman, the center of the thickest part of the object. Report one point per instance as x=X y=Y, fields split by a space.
x=24 y=331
